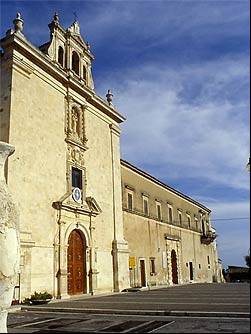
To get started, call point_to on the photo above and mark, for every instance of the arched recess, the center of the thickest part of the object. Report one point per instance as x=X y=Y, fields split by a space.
x=84 y=73
x=75 y=62
x=174 y=267
x=76 y=263
x=61 y=55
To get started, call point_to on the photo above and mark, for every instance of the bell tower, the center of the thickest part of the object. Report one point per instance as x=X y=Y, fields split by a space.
x=69 y=51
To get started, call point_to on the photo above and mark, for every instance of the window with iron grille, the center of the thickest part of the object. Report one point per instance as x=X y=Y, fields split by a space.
x=170 y=214
x=180 y=218
x=145 y=206
x=158 y=211
x=129 y=201
x=152 y=266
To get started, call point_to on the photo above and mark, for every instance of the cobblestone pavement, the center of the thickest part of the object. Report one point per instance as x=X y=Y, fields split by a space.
x=194 y=308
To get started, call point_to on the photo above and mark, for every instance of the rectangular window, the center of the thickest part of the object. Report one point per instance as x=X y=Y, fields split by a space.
x=189 y=221
x=145 y=206
x=180 y=218
x=76 y=178
x=129 y=201
x=203 y=227
x=170 y=214
x=158 y=211
x=196 y=224
x=152 y=266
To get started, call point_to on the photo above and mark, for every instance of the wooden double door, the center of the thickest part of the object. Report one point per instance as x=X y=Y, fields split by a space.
x=76 y=265
x=174 y=267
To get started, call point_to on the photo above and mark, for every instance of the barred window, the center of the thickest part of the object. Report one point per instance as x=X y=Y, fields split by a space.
x=129 y=201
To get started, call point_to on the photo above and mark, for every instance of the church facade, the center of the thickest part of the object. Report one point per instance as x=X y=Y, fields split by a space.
x=83 y=228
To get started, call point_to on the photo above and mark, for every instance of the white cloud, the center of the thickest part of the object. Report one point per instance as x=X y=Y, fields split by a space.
x=161 y=21
x=230 y=209
x=233 y=234
x=202 y=137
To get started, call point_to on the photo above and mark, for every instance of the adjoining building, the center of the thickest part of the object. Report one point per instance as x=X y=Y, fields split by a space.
x=77 y=234
x=169 y=234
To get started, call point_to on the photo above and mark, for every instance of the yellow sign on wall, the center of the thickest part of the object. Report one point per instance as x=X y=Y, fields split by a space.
x=132 y=262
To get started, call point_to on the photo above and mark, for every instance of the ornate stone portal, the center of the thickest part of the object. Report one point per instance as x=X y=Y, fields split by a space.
x=9 y=241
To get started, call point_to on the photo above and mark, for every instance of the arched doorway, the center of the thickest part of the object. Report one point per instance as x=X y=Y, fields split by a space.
x=174 y=267
x=76 y=265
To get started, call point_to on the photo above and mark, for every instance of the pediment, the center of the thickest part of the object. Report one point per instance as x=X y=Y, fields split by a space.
x=80 y=40
x=86 y=207
x=74 y=31
x=93 y=205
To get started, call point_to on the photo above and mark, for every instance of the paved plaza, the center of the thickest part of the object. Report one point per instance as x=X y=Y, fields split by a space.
x=206 y=308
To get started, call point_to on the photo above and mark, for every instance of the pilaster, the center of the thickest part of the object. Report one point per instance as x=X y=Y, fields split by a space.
x=120 y=251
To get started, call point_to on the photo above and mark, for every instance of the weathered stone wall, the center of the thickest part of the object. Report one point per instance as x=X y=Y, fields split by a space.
x=5 y=91
x=146 y=234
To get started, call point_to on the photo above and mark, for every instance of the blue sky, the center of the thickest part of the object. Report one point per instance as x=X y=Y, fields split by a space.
x=179 y=71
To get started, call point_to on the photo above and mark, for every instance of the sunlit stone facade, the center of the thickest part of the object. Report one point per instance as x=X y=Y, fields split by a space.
x=171 y=240
x=76 y=236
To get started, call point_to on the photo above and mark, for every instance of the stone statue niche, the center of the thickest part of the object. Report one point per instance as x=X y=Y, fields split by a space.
x=76 y=127
x=9 y=241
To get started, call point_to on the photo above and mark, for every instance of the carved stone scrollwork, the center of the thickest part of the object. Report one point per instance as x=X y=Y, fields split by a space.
x=75 y=155
x=75 y=125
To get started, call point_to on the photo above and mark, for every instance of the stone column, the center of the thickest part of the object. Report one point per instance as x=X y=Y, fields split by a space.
x=9 y=241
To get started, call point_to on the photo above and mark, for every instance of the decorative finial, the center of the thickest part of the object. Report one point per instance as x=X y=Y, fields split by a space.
x=56 y=18
x=18 y=23
x=109 y=97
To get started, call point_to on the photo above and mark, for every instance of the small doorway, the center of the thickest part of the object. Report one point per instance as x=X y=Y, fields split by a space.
x=191 y=270
x=142 y=272
x=76 y=265
x=174 y=267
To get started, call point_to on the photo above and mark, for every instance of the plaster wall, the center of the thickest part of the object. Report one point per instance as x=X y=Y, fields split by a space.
x=37 y=175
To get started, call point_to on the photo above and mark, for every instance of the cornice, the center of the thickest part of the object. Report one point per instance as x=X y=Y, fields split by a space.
x=81 y=43
x=161 y=184
x=21 y=44
x=115 y=129
x=161 y=222
x=74 y=209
